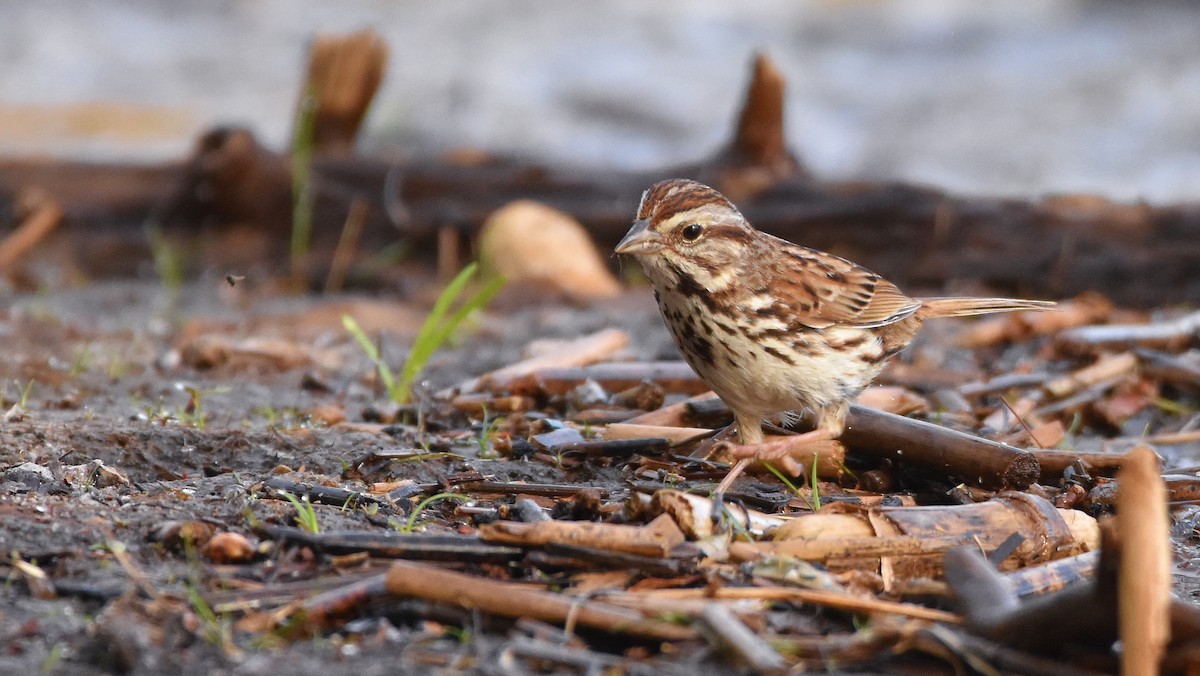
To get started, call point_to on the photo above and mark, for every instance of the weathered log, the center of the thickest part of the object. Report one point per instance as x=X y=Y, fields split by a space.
x=917 y=236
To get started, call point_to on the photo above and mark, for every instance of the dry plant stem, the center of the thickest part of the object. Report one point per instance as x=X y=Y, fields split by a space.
x=1170 y=368
x=726 y=630
x=840 y=601
x=1144 y=577
x=406 y=579
x=45 y=217
x=976 y=460
x=347 y=245
x=1052 y=576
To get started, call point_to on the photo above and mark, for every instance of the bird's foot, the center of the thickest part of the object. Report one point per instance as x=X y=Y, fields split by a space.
x=781 y=451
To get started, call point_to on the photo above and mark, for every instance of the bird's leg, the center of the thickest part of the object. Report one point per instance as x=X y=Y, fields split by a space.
x=781 y=451
x=831 y=421
x=749 y=432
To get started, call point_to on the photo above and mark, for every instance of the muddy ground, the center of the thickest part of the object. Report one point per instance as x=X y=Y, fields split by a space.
x=115 y=374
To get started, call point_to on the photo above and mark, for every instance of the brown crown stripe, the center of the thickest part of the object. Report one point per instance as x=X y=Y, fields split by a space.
x=668 y=198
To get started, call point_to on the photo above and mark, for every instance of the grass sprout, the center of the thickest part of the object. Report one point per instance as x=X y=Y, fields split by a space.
x=306 y=516
x=411 y=522
x=437 y=328
x=302 y=194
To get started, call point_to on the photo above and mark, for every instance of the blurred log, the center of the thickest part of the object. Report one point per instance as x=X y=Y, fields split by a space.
x=917 y=236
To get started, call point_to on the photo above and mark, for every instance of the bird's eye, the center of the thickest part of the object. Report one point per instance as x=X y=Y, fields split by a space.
x=691 y=231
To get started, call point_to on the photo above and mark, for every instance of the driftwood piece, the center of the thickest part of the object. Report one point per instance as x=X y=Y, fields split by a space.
x=1172 y=335
x=916 y=236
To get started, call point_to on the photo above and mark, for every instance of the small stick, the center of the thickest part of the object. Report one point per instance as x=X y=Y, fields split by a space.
x=726 y=630
x=1144 y=577
x=347 y=245
x=408 y=579
x=656 y=538
x=45 y=217
x=838 y=600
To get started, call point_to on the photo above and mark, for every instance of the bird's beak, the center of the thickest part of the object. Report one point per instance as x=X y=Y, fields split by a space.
x=640 y=239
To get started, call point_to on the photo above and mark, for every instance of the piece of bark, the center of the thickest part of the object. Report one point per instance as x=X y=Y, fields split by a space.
x=406 y=579
x=1144 y=579
x=693 y=514
x=758 y=156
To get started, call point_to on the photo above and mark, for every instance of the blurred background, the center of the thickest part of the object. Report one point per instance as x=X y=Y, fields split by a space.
x=1022 y=97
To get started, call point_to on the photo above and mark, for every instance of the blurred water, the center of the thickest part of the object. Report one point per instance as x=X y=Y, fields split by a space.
x=1020 y=97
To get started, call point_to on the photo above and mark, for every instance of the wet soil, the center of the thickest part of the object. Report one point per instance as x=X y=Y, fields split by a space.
x=117 y=433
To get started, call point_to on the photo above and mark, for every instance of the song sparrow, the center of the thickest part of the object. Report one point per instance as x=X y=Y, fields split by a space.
x=769 y=325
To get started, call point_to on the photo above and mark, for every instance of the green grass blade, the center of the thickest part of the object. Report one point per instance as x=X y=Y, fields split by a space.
x=372 y=351
x=437 y=327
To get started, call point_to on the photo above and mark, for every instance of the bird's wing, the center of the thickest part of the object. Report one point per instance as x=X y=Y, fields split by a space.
x=822 y=290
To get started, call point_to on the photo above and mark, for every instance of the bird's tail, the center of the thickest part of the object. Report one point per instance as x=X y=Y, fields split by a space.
x=963 y=307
